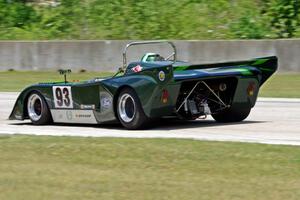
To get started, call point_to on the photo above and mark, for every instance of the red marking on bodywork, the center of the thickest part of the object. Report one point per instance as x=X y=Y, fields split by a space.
x=251 y=89
x=137 y=68
x=165 y=96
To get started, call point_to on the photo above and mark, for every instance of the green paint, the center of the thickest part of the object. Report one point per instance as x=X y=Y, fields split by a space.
x=266 y=69
x=260 y=61
x=243 y=71
x=180 y=68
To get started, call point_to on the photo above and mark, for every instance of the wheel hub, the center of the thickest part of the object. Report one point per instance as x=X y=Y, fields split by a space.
x=34 y=107
x=126 y=108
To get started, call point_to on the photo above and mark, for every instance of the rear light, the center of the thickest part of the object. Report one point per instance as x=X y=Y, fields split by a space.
x=165 y=96
x=251 y=89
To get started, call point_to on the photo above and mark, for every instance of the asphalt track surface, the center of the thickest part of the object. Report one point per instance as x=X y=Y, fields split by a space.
x=272 y=121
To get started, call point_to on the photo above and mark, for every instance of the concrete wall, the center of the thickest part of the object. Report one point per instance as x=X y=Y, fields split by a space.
x=107 y=55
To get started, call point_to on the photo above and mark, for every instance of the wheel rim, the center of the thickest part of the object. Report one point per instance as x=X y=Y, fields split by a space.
x=126 y=108
x=34 y=107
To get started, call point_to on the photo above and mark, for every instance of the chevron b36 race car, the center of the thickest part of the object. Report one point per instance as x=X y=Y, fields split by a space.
x=151 y=88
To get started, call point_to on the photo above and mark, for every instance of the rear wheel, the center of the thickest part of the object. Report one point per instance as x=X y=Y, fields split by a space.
x=130 y=111
x=37 y=108
x=232 y=114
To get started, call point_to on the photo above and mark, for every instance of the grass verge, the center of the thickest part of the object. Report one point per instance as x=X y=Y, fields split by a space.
x=279 y=85
x=282 y=85
x=15 y=81
x=106 y=168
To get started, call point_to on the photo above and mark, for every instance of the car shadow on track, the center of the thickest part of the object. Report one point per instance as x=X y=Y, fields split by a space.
x=162 y=124
x=168 y=124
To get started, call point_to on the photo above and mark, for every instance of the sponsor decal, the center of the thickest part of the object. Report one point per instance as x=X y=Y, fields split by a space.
x=83 y=115
x=68 y=114
x=161 y=75
x=137 y=68
x=62 y=96
x=73 y=116
x=106 y=101
x=82 y=106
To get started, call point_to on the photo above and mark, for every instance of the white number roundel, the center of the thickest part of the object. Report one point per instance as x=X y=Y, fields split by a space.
x=161 y=75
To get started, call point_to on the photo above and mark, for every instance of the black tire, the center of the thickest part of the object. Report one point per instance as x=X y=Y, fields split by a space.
x=37 y=109
x=232 y=114
x=130 y=111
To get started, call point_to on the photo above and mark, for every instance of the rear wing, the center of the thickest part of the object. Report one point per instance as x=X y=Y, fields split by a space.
x=266 y=65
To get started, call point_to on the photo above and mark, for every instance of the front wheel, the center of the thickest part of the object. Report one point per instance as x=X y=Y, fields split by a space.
x=130 y=111
x=232 y=114
x=37 y=108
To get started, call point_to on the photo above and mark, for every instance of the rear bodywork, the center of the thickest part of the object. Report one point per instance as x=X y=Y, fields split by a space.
x=94 y=101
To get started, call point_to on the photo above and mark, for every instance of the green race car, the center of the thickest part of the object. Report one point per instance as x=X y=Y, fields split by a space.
x=151 y=88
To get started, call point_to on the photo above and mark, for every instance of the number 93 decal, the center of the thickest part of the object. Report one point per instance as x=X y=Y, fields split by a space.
x=62 y=97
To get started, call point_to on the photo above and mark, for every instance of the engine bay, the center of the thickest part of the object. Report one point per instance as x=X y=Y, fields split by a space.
x=205 y=97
